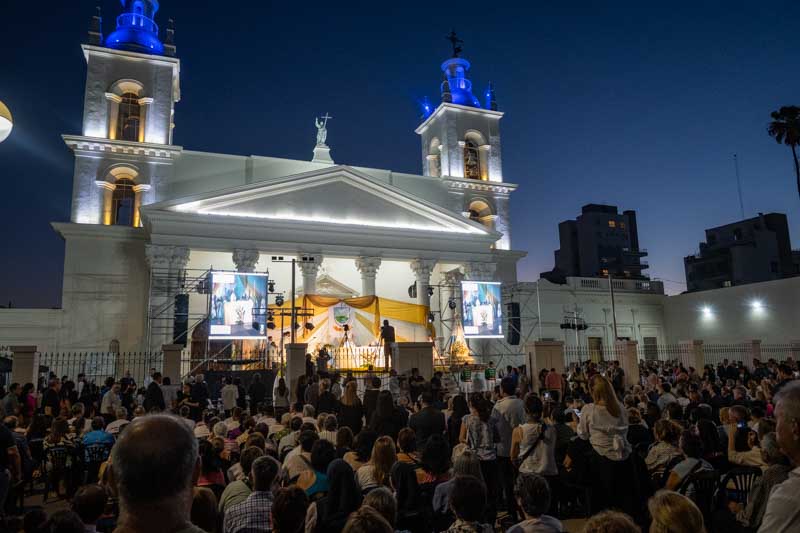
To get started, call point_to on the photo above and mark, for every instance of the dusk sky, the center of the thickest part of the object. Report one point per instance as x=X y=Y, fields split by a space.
x=626 y=103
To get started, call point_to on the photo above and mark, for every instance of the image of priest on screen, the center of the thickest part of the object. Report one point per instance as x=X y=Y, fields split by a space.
x=482 y=315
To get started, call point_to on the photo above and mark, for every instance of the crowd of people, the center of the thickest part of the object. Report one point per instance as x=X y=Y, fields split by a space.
x=410 y=454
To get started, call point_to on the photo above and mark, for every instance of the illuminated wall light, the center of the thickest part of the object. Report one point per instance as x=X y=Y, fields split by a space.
x=707 y=312
x=757 y=305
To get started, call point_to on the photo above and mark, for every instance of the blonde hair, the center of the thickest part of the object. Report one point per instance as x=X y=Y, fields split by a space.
x=350 y=396
x=674 y=513
x=610 y=522
x=724 y=415
x=602 y=391
x=384 y=456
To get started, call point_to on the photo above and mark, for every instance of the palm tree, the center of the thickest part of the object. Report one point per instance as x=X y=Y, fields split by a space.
x=785 y=127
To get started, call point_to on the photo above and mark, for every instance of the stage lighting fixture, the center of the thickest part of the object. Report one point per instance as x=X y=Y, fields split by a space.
x=271 y=286
x=310 y=326
x=430 y=291
x=451 y=303
x=279 y=300
x=296 y=325
x=270 y=325
x=430 y=317
x=412 y=290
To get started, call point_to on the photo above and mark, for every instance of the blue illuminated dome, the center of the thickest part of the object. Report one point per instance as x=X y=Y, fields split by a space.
x=460 y=88
x=136 y=31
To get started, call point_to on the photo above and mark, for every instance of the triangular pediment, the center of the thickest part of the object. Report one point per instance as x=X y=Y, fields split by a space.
x=335 y=196
x=328 y=286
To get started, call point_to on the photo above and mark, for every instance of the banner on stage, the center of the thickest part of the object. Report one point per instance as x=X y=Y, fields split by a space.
x=341 y=315
x=238 y=306
x=482 y=315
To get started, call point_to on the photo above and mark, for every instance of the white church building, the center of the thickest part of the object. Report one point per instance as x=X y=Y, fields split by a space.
x=149 y=218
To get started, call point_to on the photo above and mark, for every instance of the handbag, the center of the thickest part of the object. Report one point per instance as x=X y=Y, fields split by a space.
x=521 y=459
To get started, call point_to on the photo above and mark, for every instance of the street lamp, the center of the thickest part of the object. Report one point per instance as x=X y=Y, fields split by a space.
x=6 y=122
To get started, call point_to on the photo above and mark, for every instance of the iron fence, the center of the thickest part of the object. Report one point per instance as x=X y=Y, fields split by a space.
x=97 y=366
x=779 y=352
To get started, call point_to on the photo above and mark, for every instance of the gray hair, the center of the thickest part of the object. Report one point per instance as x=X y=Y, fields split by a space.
x=309 y=411
x=770 y=450
x=220 y=430
x=467 y=464
x=788 y=399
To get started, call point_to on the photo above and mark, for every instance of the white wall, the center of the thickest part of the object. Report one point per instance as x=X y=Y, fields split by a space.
x=731 y=317
x=30 y=327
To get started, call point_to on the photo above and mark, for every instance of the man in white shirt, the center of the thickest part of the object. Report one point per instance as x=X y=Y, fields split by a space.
x=111 y=402
x=783 y=513
x=229 y=394
x=122 y=419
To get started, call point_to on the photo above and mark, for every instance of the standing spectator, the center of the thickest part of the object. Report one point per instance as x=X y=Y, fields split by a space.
x=280 y=398
x=509 y=412
x=10 y=401
x=387 y=419
x=459 y=411
x=241 y=398
x=371 y=397
x=162 y=448
x=154 y=397
x=229 y=395
x=782 y=513
x=351 y=411
x=553 y=383
x=605 y=425
x=479 y=433
x=427 y=421
x=199 y=397
x=111 y=402
x=51 y=401
x=255 y=513
x=534 y=442
x=10 y=463
x=327 y=402
x=665 y=397
x=257 y=391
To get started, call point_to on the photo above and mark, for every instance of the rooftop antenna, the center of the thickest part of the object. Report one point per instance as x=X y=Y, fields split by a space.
x=738 y=184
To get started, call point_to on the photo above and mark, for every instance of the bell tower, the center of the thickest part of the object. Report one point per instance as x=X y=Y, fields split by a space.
x=125 y=147
x=461 y=145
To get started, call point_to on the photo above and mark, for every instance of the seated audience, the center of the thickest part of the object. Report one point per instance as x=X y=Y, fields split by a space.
x=376 y=472
x=533 y=496
x=254 y=514
x=468 y=503
x=674 y=513
x=288 y=513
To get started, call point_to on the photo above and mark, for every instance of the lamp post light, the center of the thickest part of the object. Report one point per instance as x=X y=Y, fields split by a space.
x=6 y=122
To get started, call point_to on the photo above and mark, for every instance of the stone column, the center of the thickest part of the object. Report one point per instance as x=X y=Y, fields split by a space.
x=245 y=259
x=483 y=157
x=628 y=357
x=309 y=270
x=167 y=264
x=108 y=201
x=480 y=270
x=172 y=362
x=693 y=354
x=137 y=202
x=113 y=114
x=295 y=365
x=452 y=282
x=144 y=106
x=368 y=267
x=422 y=269
x=24 y=365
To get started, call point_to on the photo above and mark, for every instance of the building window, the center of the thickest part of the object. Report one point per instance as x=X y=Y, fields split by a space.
x=122 y=203
x=612 y=223
x=604 y=272
x=737 y=234
x=128 y=121
x=472 y=161
x=621 y=225
x=773 y=267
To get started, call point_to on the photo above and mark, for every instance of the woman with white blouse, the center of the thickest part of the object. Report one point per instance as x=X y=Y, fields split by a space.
x=604 y=424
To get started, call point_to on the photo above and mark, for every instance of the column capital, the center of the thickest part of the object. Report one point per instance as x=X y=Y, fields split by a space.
x=146 y=100
x=141 y=187
x=180 y=257
x=453 y=277
x=245 y=259
x=309 y=268
x=113 y=97
x=480 y=270
x=368 y=266
x=422 y=268
x=165 y=256
x=102 y=184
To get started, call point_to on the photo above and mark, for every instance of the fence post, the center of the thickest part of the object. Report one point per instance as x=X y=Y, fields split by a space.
x=295 y=364
x=628 y=357
x=24 y=365
x=172 y=362
x=795 y=349
x=692 y=354
x=545 y=354
x=754 y=352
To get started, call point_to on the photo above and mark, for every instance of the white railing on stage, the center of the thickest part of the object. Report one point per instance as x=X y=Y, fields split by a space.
x=357 y=357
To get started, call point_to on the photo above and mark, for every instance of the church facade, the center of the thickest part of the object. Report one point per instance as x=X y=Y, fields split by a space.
x=150 y=218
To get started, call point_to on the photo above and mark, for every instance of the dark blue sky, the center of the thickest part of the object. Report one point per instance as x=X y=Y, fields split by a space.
x=626 y=103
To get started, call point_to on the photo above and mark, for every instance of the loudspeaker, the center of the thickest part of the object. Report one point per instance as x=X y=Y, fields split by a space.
x=180 y=324
x=514 y=323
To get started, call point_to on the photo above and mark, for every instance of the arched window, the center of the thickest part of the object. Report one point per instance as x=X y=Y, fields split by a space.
x=481 y=212
x=128 y=121
x=122 y=203
x=472 y=160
